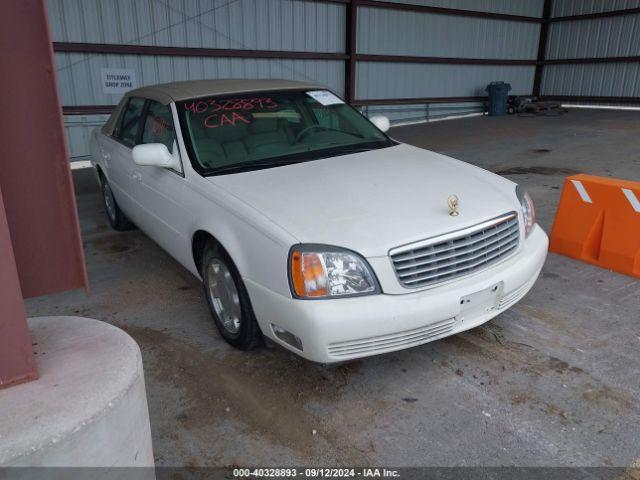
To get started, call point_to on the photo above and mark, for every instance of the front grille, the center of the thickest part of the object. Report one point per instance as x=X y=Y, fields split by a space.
x=455 y=254
x=394 y=341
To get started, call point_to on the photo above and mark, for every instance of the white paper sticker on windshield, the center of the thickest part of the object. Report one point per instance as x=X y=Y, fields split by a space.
x=325 y=97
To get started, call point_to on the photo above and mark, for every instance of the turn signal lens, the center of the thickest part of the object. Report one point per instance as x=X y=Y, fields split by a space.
x=308 y=274
x=320 y=272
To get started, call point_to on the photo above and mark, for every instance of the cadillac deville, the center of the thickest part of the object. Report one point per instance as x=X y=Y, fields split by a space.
x=307 y=224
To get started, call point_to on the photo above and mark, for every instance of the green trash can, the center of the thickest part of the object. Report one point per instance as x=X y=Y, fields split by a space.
x=498 y=97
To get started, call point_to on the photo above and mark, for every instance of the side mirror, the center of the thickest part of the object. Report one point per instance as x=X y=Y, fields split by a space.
x=381 y=122
x=155 y=155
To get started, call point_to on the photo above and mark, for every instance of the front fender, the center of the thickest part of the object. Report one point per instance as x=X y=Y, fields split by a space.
x=258 y=247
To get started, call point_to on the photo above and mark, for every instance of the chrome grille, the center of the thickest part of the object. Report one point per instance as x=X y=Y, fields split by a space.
x=457 y=253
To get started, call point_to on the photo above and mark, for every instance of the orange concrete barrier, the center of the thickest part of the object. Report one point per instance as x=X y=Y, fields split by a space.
x=598 y=221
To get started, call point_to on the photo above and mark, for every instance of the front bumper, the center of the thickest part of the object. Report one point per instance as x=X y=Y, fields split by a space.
x=342 y=329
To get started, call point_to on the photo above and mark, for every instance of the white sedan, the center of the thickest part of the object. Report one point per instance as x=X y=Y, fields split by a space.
x=307 y=224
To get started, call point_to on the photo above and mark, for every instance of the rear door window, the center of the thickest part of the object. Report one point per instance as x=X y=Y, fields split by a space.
x=129 y=127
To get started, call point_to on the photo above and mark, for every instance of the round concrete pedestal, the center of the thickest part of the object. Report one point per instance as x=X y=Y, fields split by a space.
x=89 y=406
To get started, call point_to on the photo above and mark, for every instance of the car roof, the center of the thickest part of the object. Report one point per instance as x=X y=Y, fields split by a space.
x=172 y=92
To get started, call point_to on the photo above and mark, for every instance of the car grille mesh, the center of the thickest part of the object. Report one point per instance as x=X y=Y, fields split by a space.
x=456 y=254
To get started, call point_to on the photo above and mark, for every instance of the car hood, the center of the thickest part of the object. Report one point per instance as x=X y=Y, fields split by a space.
x=373 y=201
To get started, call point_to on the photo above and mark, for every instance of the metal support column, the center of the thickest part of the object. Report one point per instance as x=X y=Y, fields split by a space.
x=40 y=244
x=17 y=363
x=351 y=50
x=542 y=47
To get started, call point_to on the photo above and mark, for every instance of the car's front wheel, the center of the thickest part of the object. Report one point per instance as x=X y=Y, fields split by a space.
x=228 y=299
x=117 y=218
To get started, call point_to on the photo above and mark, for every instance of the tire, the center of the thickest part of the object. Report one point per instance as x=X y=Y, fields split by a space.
x=117 y=219
x=228 y=299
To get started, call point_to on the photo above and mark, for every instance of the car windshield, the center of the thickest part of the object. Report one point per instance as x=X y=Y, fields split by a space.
x=244 y=132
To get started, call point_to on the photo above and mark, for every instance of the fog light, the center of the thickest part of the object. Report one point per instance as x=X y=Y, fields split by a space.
x=287 y=337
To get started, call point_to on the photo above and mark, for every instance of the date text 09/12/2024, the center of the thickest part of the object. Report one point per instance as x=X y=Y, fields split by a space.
x=315 y=473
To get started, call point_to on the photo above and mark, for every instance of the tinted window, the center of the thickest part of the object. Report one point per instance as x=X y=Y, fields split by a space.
x=324 y=117
x=241 y=130
x=130 y=124
x=158 y=126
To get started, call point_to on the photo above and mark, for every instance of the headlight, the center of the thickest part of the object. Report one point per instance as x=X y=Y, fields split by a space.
x=319 y=271
x=528 y=210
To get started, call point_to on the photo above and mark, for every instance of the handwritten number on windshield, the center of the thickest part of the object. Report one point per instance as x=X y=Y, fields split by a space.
x=230 y=105
x=226 y=112
x=218 y=120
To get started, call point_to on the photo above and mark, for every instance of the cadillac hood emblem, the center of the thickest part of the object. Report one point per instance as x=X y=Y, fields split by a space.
x=454 y=204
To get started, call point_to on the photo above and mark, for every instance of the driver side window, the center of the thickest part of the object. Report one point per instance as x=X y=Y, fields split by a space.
x=129 y=127
x=159 y=128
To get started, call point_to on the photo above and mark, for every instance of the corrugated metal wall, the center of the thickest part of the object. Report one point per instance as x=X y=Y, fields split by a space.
x=600 y=37
x=598 y=80
x=529 y=8
x=562 y=8
x=389 y=32
x=238 y=24
x=292 y=25
x=317 y=26
x=251 y=24
x=388 y=80
x=395 y=32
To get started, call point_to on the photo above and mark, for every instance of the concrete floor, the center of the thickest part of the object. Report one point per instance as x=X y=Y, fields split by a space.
x=553 y=381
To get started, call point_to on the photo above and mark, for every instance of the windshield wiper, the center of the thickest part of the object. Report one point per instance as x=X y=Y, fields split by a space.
x=253 y=165
x=300 y=157
x=351 y=149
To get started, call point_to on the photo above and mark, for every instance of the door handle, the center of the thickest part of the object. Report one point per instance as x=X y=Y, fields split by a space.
x=136 y=176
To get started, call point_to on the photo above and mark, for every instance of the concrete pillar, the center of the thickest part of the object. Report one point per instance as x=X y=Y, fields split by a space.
x=89 y=406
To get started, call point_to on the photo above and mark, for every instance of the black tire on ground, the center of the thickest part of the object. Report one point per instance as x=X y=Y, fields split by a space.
x=237 y=325
x=116 y=217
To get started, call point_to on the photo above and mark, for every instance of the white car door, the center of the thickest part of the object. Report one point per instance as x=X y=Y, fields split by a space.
x=161 y=193
x=117 y=157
